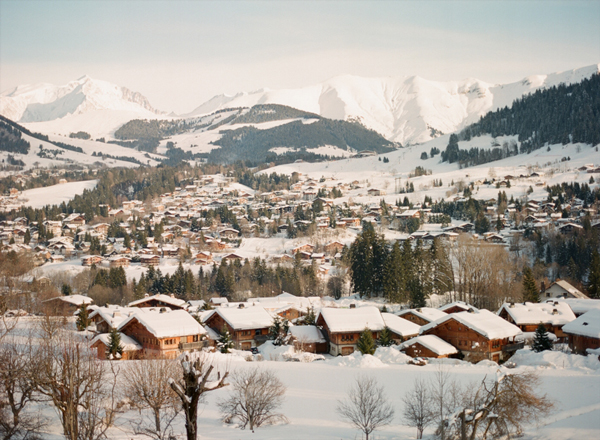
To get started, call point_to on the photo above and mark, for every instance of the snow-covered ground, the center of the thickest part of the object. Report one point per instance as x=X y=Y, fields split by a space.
x=55 y=194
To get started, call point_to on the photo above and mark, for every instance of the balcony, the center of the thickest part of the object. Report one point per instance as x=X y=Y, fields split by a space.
x=187 y=346
x=509 y=348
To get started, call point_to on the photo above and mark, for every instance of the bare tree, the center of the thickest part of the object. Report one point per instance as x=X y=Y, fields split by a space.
x=418 y=407
x=18 y=369
x=255 y=396
x=81 y=388
x=366 y=408
x=498 y=408
x=145 y=384
x=194 y=383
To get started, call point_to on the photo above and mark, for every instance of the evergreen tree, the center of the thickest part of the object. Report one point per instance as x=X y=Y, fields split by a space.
x=385 y=338
x=541 y=341
x=279 y=330
x=27 y=236
x=114 y=350
x=366 y=343
x=530 y=291
x=225 y=342
x=66 y=289
x=83 y=319
x=310 y=318
x=593 y=284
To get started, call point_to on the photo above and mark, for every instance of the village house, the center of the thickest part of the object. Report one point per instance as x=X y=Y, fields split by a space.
x=584 y=333
x=65 y=305
x=477 y=334
x=527 y=316
x=333 y=248
x=307 y=338
x=402 y=329
x=149 y=260
x=110 y=317
x=130 y=347
x=248 y=326
x=164 y=333
x=422 y=315
x=428 y=346
x=160 y=300
x=562 y=289
x=342 y=327
x=455 y=307
x=119 y=261
x=90 y=260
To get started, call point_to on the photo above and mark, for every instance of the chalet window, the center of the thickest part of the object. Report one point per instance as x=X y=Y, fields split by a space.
x=257 y=332
x=195 y=338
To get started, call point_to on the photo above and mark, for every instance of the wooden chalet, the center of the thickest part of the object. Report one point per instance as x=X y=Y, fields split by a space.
x=149 y=260
x=402 y=329
x=334 y=247
x=527 y=316
x=342 y=327
x=562 y=289
x=248 y=326
x=308 y=338
x=455 y=307
x=110 y=317
x=164 y=333
x=477 y=334
x=131 y=348
x=421 y=316
x=119 y=261
x=584 y=332
x=90 y=260
x=429 y=346
x=65 y=305
x=160 y=300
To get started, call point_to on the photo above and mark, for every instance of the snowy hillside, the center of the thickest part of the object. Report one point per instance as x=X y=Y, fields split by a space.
x=87 y=104
x=408 y=110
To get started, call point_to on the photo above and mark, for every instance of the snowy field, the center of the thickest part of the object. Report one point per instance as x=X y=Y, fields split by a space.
x=55 y=194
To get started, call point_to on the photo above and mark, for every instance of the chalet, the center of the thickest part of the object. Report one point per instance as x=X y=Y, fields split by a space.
x=130 y=347
x=308 y=248
x=584 y=332
x=160 y=300
x=579 y=306
x=229 y=233
x=477 y=334
x=401 y=329
x=421 y=316
x=409 y=213
x=334 y=247
x=248 y=326
x=342 y=327
x=203 y=257
x=567 y=228
x=376 y=192
x=562 y=289
x=164 y=333
x=149 y=260
x=230 y=258
x=218 y=301
x=65 y=305
x=119 y=261
x=110 y=317
x=527 y=316
x=90 y=260
x=429 y=346
x=170 y=251
x=307 y=338
x=455 y=307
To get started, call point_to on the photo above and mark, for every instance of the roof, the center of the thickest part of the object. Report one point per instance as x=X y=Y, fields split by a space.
x=307 y=334
x=160 y=297
x=568 y=288
x=431 y=342
x=482 y=321
x=426 y=313
x=587 y=324
x=245 y=318
x=554 y=313
x=166 y=324
x=579 y=306
x=400 y=326
x=352 y=320
x=114 y=315
x=76 y=300
x=127 y=343
x=461 y=304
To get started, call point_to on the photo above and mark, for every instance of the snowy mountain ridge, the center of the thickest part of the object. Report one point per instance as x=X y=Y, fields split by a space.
x=48 y=102
x=409 y=110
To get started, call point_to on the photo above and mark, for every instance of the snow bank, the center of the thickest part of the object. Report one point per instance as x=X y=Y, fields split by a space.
x=555 y=359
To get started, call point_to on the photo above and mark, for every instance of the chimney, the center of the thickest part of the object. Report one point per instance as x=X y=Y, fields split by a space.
x=163 y=310
x=146 y=295
x=172 y=295
x=419 y=310
x=511 y=305
x=116 y=314
x=352 y=306
x=471 y=310
x=241 y=306
x=554 y=312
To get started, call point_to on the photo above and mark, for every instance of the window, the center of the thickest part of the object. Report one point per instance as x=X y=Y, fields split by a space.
x=195 y=338
x=256 y=332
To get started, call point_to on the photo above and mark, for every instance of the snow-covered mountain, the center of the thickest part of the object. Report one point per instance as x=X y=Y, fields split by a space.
x=76 y=104
x=408 y=109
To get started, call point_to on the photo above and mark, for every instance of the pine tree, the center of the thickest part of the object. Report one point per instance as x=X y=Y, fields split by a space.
x=541 y=341
x=530 y=291
x=366 y=343
x=66 y=289
x=310 y=318
x=279 y=330
x=115 y=351
x=83 y=319
x=593 y=284
x=225 y=342
x=385 y=338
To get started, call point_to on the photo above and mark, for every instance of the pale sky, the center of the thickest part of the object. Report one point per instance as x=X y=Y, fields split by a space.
x=181 y=53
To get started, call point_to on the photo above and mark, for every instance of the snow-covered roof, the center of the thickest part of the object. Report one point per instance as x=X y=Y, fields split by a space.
x=579 y=306
x=426 y=313
x=127 y=343
x=160 y=297
x=76 y=300
x=400 y=326
x=568 y=288
x=307 y=334
x=461 y=304
x=554 y=313
x=482 y=321
x=166 y=324
x=353 y=320
x=587 y=324
x=114 y=315
x=245 y=318
x=431 y=342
